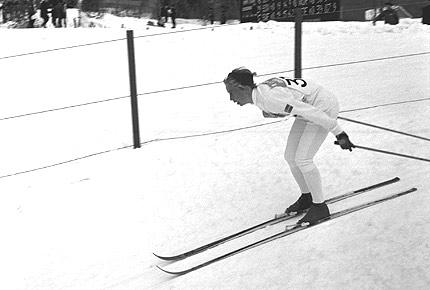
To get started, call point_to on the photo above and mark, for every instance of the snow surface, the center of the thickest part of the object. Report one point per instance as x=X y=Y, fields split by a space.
x=94 y=223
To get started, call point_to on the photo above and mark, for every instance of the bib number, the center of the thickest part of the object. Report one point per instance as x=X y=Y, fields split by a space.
x=298 y=82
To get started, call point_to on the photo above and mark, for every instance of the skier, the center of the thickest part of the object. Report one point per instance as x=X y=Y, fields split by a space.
x=315 y=110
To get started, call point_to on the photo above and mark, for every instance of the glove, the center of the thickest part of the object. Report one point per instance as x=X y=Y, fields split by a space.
x=344 y=142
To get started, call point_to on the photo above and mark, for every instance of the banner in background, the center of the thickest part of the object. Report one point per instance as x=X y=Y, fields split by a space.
x=283 y=10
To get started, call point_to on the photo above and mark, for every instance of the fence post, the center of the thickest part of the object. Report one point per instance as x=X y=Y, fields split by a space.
x=133 y=90
x=298 y=18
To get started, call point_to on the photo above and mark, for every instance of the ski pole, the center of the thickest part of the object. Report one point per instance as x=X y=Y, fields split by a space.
x=392 y=153
x=386 y=129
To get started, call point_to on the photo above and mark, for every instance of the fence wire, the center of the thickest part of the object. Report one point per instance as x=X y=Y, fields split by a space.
x=186 y=87
x=174 y=32
x=207 y=84
x=191 y=136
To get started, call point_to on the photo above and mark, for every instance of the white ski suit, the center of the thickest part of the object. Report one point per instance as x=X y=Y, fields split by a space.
x=315 y=109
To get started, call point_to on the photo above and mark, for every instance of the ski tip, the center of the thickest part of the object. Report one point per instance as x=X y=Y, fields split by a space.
x=172 y=272
x=169 y=258
x=165 y=271
x=162 y=257
x=412 y=189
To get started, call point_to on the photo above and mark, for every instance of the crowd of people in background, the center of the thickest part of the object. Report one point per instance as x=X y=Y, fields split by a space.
x=25 y=13
x=58 y=11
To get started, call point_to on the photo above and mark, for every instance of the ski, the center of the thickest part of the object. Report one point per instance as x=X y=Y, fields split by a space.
x=271 y=222
x=290 y=230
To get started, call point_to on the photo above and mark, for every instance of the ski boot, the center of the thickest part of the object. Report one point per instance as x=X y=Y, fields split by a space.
x=316 y=213
x=301 y=205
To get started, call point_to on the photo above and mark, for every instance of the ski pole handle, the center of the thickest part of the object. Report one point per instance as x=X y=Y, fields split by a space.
x=392 y=153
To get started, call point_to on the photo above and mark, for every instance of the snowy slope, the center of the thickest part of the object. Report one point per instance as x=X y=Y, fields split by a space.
x=94 y=223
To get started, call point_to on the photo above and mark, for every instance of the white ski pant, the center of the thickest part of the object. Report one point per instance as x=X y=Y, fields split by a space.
x=303 y=143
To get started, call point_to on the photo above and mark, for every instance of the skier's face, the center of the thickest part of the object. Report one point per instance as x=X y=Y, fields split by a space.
x=240 y=95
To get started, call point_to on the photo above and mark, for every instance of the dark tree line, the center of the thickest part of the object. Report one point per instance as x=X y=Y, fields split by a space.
x=216 y=10
x=204 y=9
x=189 y=9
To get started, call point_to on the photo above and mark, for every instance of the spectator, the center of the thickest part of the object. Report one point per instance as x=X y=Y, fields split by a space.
x=31 y=15
x=58 y=14
x=172 y=14
x=44 y=12
x=211 y=15
x=163 y=13
x=62 y=13
x=388 y=14
x=54 y=12
x=160 y=21
x=223 y=14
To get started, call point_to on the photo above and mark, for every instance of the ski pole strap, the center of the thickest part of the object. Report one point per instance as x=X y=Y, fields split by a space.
x=382 y=128
x=392 y=153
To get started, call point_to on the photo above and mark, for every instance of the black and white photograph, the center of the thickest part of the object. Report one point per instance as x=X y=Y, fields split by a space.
x=215 y=144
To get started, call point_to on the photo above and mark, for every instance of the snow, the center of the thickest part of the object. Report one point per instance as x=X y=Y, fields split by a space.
x=93 y=223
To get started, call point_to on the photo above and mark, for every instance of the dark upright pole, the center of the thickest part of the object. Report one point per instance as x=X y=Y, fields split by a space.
x=298 y=44
x=133 y=90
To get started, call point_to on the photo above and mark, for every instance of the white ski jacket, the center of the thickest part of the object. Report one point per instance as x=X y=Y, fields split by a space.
x=300 y=98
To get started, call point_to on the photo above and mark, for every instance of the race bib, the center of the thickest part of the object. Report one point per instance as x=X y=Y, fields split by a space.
x=285 y=82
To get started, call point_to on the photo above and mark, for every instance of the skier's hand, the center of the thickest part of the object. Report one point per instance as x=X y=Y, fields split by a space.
x=272 y=115
x=344 y=142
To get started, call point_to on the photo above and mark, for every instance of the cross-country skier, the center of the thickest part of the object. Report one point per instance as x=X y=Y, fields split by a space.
x=315 y=110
